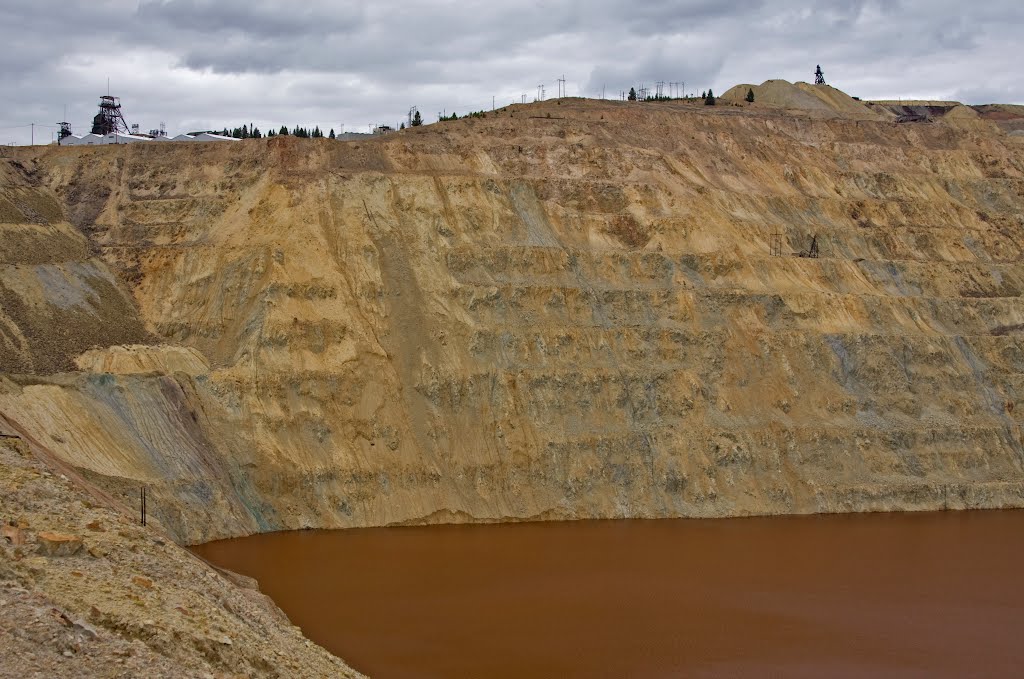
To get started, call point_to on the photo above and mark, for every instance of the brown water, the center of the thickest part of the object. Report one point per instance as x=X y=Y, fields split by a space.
x=925 y=595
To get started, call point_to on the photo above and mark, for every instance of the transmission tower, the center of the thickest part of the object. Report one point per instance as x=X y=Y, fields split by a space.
x=109 y=119
x=819 y=76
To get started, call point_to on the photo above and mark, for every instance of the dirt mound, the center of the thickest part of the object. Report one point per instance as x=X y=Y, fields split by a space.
x=780 y=93
x=816 y=99
x=839 y=101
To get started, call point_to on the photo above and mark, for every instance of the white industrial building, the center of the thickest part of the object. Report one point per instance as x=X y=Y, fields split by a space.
x=99 y=139
x=118 y=138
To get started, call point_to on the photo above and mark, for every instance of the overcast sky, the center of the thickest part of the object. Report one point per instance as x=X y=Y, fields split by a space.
x=197 y=64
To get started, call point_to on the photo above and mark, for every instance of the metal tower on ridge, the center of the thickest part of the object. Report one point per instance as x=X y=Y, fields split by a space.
x=109 y=119
x=64 y=132
x=819 y=76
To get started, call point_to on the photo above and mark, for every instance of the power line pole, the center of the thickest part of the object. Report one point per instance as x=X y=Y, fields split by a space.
x=561 y=86
x=33 y=134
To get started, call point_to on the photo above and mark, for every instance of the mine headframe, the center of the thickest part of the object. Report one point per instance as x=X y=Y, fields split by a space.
x=109 y=119
x=819 y=76
x=64 y=132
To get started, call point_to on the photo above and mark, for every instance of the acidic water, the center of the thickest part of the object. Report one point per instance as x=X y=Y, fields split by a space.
x=914 y=595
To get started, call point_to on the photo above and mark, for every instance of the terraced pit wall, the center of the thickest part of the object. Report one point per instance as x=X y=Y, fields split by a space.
x=524 y=317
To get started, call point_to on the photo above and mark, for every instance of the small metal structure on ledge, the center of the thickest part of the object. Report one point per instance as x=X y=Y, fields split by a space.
x=812 y=252
x=142 y=507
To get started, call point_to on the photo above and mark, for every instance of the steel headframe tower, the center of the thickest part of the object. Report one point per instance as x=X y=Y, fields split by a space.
x=819 y=76
x=63 y=132
x=109 y=119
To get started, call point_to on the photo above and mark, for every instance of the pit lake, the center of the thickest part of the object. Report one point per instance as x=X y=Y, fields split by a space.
x=900 y=595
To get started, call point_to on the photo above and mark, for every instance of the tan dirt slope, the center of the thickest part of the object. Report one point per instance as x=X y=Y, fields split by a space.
x=84 y=592
x=563 y=310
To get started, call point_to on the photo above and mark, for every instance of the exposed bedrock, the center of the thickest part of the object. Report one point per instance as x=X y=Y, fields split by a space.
x=524 y=317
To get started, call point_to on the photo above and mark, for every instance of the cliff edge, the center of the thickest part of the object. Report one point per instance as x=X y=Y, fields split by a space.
x=572 y=309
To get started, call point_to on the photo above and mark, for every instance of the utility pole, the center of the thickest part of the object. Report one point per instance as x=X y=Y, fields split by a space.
x=492 y=102
x=33 y=134
x=561 y=86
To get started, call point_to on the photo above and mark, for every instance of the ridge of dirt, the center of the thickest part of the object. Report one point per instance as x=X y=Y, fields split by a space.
x=86 y=592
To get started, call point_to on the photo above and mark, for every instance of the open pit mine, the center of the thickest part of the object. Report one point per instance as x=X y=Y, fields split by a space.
x=573 y=309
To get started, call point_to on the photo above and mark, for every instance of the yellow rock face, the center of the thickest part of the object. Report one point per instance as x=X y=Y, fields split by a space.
x=560 y=311
x=142 y=359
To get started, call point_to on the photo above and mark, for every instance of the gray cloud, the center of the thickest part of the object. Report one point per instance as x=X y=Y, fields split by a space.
x=210 y=63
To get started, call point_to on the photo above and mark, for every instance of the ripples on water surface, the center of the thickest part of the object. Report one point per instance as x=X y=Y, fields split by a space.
x=921 y=595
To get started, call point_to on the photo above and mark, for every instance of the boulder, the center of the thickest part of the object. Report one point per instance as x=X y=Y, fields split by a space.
x=14 y=534
x=58 y=544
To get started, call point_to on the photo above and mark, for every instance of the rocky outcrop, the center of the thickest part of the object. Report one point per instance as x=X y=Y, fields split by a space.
x=86 y=592
x=566 y=310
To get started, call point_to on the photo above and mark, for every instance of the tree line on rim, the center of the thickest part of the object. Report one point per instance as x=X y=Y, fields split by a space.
x=708 y=97
x=253 y=132
x=250 y=131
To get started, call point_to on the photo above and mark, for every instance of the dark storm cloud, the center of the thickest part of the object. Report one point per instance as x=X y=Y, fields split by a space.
x=209 y=63
x=254 y=18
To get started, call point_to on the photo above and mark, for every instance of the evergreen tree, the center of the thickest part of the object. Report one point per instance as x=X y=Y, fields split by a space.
x=317 y=134
x=332 y=135
x=704 y=95
x=402 y=126
x=271 y=134
x=710 y=100
x=417 y=119
x=632 y=94
x=283 y=131
x=750 y=95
